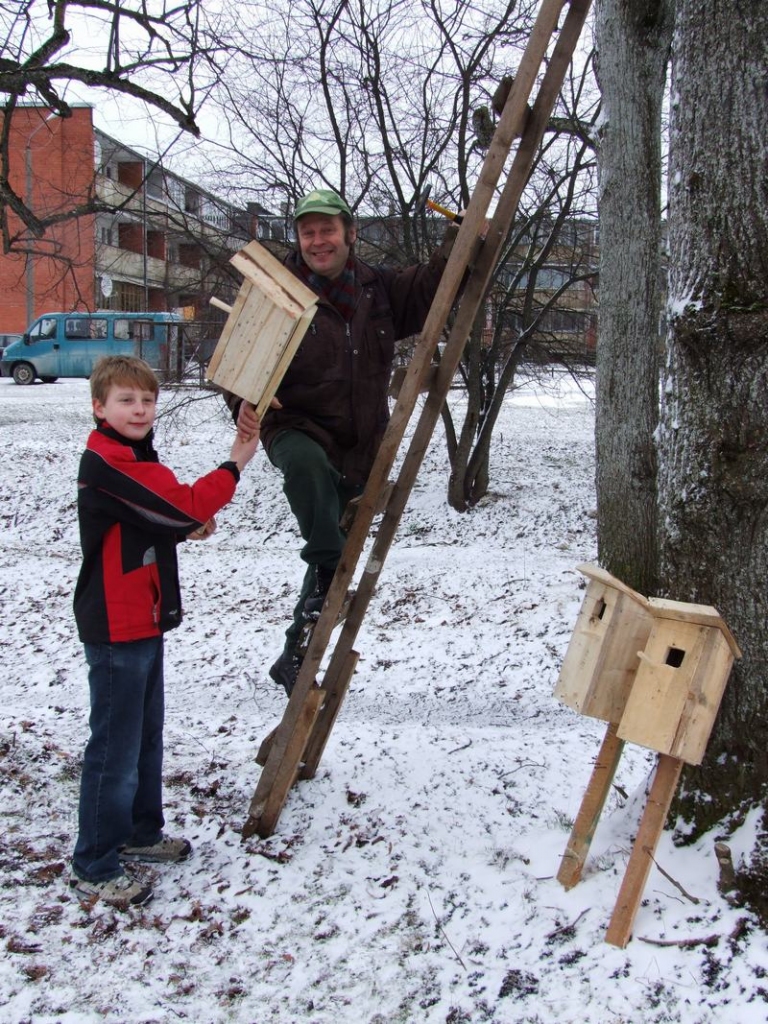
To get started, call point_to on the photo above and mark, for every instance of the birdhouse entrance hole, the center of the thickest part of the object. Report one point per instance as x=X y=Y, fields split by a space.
x=675 y=657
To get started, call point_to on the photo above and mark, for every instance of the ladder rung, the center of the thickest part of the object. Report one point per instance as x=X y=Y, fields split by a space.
x=350 y=512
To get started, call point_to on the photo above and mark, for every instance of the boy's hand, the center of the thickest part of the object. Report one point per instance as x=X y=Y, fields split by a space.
x=243 y=450
x=204 y=531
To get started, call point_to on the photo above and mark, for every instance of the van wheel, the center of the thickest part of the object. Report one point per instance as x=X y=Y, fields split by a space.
x=49 y=380
x=24 y=373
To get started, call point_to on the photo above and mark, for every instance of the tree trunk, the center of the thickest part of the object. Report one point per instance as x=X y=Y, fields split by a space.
x=713 y=438
x=633 y=39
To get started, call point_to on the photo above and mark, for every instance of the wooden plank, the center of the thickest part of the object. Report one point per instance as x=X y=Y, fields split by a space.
x=258 y=265
x=601 y=661
x=595 y=572
x=268 y=287
x=270 y=388
x=229 y=326
x=591 y=808
x=651 y=826
x=236 y=354
x=262 y=755
x=336 y=683
x=263 y=814
x=703 y=697
x=262 y=258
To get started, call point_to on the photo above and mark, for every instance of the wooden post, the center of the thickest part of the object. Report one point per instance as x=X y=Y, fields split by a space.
x=591 y=808
x=651 y=826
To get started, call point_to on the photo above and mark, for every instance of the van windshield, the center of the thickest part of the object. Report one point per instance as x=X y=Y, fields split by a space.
x=44 y=328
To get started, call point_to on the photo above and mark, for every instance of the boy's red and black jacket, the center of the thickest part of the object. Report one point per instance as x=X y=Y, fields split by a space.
x=132 y=512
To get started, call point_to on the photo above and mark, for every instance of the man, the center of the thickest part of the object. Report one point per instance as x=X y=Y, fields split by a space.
x=325 y=429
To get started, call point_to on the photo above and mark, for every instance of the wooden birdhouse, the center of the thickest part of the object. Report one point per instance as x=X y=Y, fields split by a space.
x=601 y=662
x=270 y=316
x=683 y=670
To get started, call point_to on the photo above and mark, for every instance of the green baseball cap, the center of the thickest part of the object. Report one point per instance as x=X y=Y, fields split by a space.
x=321 y=200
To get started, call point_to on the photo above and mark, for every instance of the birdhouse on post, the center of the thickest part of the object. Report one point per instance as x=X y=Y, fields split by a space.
x=680 y=681
x=270 y=316
x=601 y=662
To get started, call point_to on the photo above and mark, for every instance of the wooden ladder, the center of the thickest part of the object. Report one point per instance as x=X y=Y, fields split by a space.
x=294 y=749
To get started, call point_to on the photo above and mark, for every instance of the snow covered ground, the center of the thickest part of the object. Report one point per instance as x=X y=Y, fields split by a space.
x=413 y=880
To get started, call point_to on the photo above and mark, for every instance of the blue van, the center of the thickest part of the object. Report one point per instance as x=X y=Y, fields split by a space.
x=68 y=344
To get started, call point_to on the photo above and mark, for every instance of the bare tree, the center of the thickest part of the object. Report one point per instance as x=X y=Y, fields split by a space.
x=165 y=55
x=633 y=39
x=713 y=437
x=382 y=100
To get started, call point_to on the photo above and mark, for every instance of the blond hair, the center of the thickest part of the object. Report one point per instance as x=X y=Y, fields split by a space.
x=128 y=371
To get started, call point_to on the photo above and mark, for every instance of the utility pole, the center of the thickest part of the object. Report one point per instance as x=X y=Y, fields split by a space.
x=28 y=194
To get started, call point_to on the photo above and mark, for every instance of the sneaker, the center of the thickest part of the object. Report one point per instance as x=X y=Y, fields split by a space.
x=313 y=603
x=164 y=851
x=285 y=671
x=121 y=892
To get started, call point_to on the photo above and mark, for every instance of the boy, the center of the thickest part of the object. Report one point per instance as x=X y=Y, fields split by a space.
x=132 y=512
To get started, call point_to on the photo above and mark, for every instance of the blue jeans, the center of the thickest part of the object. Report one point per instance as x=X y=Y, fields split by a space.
x=121 y=786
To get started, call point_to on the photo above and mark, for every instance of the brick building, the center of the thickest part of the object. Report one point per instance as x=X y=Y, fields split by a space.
x=157 y=241
x=51 y=166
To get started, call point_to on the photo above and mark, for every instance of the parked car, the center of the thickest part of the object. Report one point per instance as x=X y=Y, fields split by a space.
x=6 y=340
x=68 y=344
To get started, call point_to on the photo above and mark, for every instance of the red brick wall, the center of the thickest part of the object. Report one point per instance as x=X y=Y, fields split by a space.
x=59 y=153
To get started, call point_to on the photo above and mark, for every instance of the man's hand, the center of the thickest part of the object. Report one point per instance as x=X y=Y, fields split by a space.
x=248 y=423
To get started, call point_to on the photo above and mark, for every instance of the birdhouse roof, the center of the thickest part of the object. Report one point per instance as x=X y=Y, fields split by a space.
x=596 y=573
x=700 y=614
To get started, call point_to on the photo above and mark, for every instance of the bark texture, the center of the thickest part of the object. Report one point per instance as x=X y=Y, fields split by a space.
x=633 y=38
x=713 y=437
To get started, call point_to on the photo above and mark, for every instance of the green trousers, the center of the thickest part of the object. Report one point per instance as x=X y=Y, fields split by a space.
x=317 y=496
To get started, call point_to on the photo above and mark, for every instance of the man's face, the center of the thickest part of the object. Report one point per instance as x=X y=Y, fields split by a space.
x=324 y=243
x=128 y=410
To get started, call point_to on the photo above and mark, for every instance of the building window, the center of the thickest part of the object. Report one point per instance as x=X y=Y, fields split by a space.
x=128 y=297
x=190 y=255
x=131 y=237
x=156 y=244
x=191 y=201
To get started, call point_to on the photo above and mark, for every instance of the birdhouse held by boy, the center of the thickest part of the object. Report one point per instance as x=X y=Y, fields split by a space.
x=683 y=670
x=601 y=662
x=270 y=316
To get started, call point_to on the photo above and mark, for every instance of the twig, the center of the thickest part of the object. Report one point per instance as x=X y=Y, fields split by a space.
x=669 y=878
x=442 y=932
x=567 y=927
x=457 y=749
x=708 y=940
x=523 y=764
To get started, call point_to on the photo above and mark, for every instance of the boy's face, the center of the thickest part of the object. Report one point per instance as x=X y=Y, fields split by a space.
x=128 y=410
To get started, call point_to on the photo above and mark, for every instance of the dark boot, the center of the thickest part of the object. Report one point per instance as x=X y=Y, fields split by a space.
x=285 y=670
x=313 y=603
